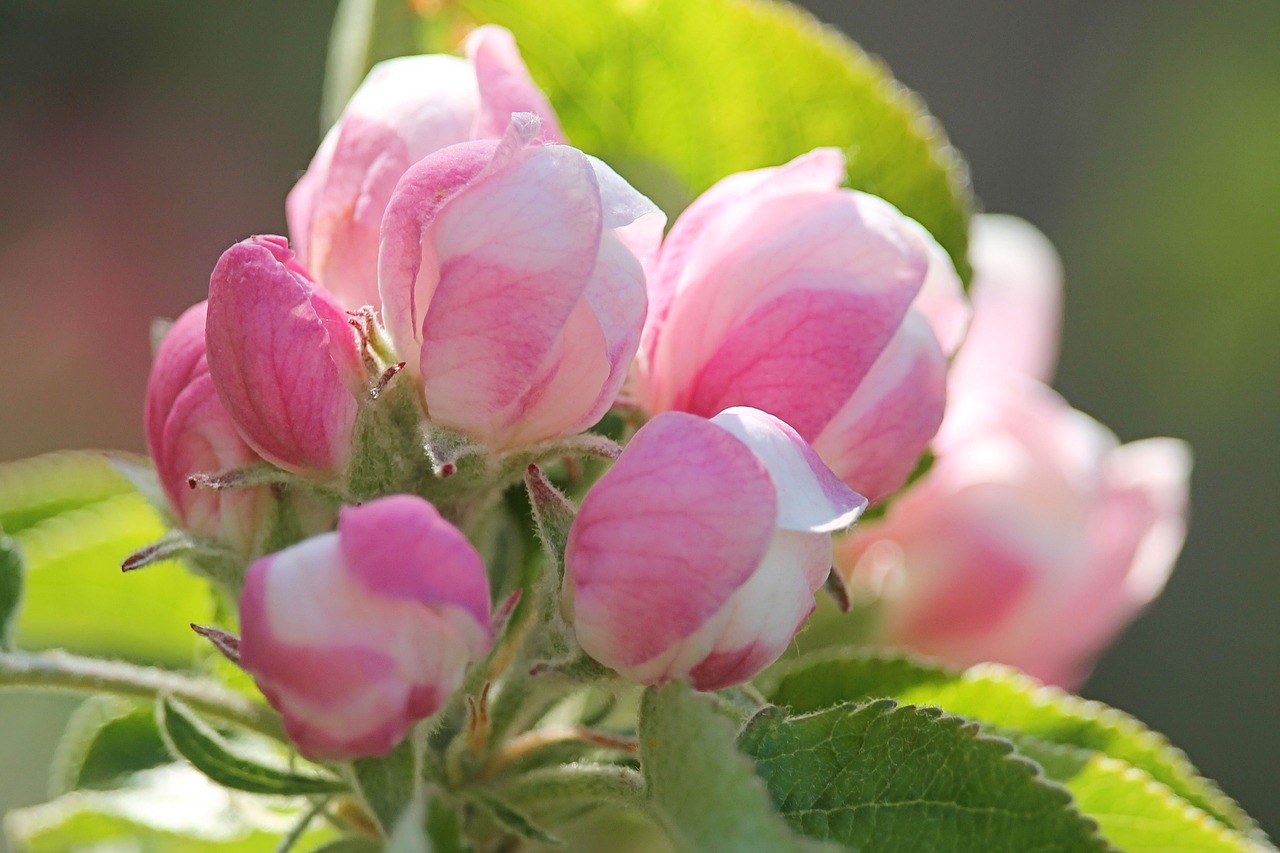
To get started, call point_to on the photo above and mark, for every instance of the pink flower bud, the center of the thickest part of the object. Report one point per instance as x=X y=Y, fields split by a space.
x=780 y=291
x=698 y=554
x=511 y=286
x=406 y=109
x=189 y=432
x=355 y=635
x=285 y=361
x=1032 y=541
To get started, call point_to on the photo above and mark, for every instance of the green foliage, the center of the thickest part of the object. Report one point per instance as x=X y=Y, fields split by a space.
x=10 y=587
x=676 y=95
x=172 y=810
x=701 y=789
x=884 y=777
x=107 y=740
x=209 y=753
x=75 y=518
x=513 y=821
x=1144 y=792
x=389 y=785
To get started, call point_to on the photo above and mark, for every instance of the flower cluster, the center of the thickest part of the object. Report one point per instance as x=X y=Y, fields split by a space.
x=466 y=296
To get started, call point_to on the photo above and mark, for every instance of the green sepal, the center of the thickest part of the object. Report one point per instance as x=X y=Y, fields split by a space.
x=389 y=785
x=513 y=821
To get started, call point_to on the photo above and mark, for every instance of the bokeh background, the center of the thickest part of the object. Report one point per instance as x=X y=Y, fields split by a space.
x=140 y=138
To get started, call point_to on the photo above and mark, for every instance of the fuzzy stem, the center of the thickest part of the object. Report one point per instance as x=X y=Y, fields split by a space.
x=580 y=783
x=517 y=748
x=58 y=670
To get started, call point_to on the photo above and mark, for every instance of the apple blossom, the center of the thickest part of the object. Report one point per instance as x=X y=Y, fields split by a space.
x=286 y=363
x=405 y=109
x=780 y=291
x=698 y=554
x=1036 y=536
x=511 y=287
x=189 y=432
x=355 y=635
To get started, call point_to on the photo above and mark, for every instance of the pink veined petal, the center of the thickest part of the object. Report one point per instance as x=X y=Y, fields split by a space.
x=825 y=247
x=283 y=358
x=400 y=548
x=516 y=253
x=1017 y=302
x=757 y=624
x=633 y=218
x=665 y=538
x=505 y=85
x=799 y=356
x=408 y=266
x=874 y=441
x=810 y=497
x=180 y=358
x=820 y=169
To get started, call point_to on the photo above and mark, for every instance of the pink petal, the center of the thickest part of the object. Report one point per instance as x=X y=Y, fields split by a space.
x=665 y=538
x=810 y=497
x=283 y=358
x=874 y=441
x=505 y=85
x=941 y=299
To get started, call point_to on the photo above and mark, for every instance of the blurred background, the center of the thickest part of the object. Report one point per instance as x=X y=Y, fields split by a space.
x=140 y=138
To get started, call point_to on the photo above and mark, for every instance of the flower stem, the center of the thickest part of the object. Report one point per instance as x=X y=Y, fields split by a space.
x=580 y=783
x=517 y=748
x=58 y=670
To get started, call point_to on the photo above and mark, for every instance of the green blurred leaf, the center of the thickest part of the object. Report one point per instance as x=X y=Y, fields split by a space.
x=351 y=845
x=209 y=753
x=676 y=94
x=1010 y=704
x=77 y=598
x=171 y=810
x=107 y=740
x=886 y=777
x=703 y=791
x=35 y=489
x=365 y=32
x=389 y=784
x=11 y=581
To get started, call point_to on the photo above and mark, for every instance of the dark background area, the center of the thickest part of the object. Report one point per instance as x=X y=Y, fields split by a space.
x=140 y=138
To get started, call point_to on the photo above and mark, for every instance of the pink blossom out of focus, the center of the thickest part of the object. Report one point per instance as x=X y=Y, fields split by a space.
x=189 y=432
x=404 y=110
x=1036 y=536
x=355 y=635
x=780 y=291
x=511 y=285
x=284 y=359
x=698 y=554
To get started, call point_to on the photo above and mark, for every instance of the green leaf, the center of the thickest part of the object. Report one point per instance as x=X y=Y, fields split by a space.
x=36 y=489
x=351 y=845
x=77 y=598
x=1135 y=812
x=702 y=791
x=107 y=740
x=365 y=32
x=1008 y=703
x=676 y=95
x=444 y=828
x=884 y=777
x=513 y=821
x=171 y=810
x=390 y=784
x=10 y=587
x=210 y=754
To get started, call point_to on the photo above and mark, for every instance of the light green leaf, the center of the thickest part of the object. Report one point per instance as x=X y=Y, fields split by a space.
x=676 y=94
x=351 y=845
x=77 y=598
x=1008 y=703
x=209 y=753
x=702 y=791
x=36 y=489
x=11 y=581
x=389 y=785
x=365 y=32
x=171 y=810
x=888 y=778
x=107 y=740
